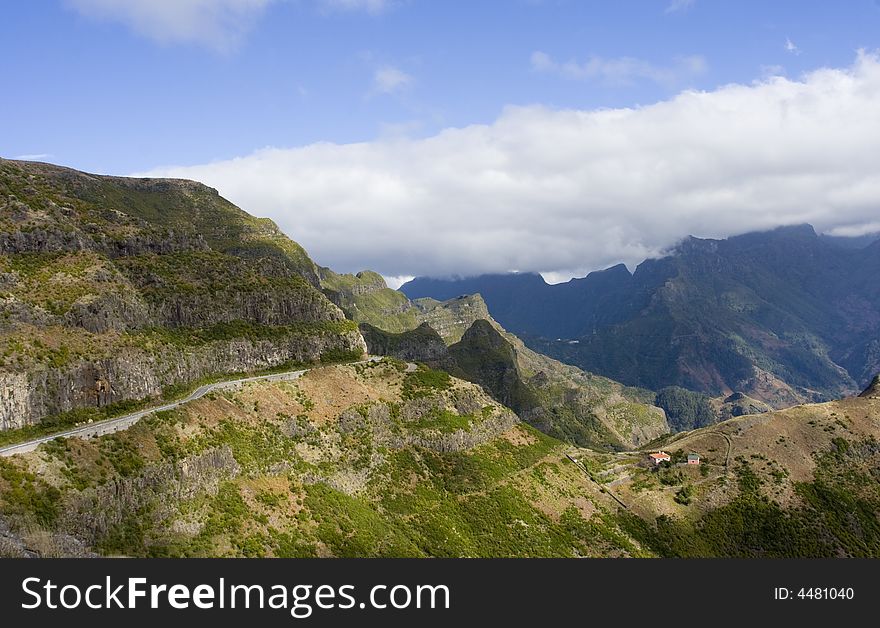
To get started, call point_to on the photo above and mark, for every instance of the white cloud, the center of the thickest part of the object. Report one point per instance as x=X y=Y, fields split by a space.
x=371 y=6
x=770 y=71
x=568 y=191
x=621 y=70
x=395 y=282
x=216 y=24
x=791 y=47
x=854 y=231
x=389 y=79
x=34 y=157
x=679 y=5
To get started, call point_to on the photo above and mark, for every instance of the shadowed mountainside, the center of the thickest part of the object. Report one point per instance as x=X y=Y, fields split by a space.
x=783 y=316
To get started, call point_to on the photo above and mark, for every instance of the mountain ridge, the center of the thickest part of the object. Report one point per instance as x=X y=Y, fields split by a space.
x=785 y=316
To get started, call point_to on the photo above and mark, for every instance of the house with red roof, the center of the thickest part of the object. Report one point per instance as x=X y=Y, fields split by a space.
x=660 y=456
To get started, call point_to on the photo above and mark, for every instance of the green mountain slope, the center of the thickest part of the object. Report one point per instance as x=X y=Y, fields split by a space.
x=363 y=460
x=796 y=482
x=559 y=400
x=374 y=460
x=115 y=290
x=366 y=298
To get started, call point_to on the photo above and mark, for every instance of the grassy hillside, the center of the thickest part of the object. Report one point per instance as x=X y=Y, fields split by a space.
x=375 y=460
x=797 y=482
x=366 y=460
x=366 y=298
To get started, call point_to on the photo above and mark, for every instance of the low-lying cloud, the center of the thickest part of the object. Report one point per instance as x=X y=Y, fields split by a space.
x=567 y=191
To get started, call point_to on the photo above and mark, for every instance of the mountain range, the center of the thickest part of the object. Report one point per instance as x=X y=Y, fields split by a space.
x=784 y=316
x=460 y=337
x=117 y=294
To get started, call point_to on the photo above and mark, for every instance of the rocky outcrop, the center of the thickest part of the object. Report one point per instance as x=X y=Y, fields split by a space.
x=156 y=493
x=459 y=440
x=422 y=344
x=260 y=307
x=15 y=396
x=368 y=283
x=452 y=318
x=100 y=313
x=378 y=418
x=740 y=404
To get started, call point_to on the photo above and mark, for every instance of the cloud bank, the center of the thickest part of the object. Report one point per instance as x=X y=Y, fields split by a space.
x=568 y=191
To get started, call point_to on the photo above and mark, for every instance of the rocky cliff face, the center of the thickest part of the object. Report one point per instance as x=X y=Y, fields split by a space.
x=421 y=344
x=155 y=495
x=113 y=289
x=452 y=318
x=136 y=373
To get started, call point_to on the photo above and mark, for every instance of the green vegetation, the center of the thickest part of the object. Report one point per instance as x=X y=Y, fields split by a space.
x=838 y=517
x=238 y=330
x=684 y=494
x=274 y=501
x=352 y=528
x=26 y=497
x=424 y=382
x=366 y=298
x=685 y=409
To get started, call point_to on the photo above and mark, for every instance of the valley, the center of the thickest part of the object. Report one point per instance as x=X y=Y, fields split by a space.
x=217 y=393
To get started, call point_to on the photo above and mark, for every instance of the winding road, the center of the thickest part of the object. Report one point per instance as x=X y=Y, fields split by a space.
x=110 y=426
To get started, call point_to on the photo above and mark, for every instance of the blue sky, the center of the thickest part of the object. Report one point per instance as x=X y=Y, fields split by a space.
x=174 y=86
x=95 y=94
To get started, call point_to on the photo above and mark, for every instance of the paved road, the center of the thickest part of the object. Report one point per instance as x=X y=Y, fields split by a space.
x=110 y=426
